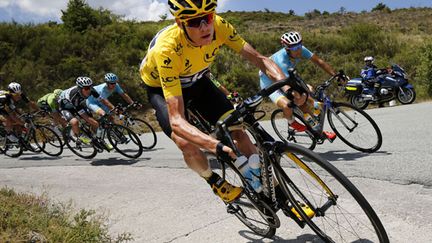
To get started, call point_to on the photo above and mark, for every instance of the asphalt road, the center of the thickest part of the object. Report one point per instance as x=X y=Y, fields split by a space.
x=158 y=199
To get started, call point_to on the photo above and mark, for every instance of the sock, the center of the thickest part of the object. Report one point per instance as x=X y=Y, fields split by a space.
x=290 y=120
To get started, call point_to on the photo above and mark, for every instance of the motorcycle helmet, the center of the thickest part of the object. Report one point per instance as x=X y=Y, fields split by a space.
x=369 y=59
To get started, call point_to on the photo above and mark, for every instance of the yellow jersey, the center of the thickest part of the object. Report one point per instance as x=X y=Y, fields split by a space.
x=172 y=62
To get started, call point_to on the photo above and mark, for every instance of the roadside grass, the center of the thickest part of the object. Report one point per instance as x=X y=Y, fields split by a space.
x=30 y=218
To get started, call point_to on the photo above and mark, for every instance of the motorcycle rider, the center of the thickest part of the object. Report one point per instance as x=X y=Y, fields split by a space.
x=369 y=75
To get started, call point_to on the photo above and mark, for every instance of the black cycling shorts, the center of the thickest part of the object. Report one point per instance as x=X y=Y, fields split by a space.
x=203 y=95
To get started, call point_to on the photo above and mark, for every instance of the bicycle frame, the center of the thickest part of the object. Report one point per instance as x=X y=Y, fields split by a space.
x=321 y=96
x=270 y=150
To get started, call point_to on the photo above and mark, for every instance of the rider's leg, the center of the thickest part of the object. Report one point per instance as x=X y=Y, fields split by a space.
x=197 y=161
x=90 y=120
x=244 y=144
x=58 y=119
x=193 y=156
x=75 y=126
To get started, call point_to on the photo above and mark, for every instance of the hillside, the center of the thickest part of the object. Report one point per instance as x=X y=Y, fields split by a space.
x=47 y=56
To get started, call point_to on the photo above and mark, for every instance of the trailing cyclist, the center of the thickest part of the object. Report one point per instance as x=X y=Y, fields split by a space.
x=8 y=100
x=174 y=72
x=49 y=104
x=292 y=53
x=72 y=103
x=105 y=90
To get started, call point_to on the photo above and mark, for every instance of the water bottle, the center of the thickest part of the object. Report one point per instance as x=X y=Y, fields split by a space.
x=309 y=119
x=317 y=109
x=242 y=164
x=99 y=132
x=255 y=165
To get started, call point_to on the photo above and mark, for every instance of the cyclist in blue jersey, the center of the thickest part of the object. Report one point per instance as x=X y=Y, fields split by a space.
x=288 y=57
x=105 y=90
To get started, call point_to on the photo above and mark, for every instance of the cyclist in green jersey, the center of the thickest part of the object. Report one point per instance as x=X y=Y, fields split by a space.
x=49 y=103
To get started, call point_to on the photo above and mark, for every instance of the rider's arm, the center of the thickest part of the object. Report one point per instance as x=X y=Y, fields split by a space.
x=123 y=94
x=104 y=101
x=34 y=106
x=91 y=121
x=14 y=118
x=265 y=64
x=185 y=130
x=322 y=64
x=127 y=98
x=107 y=103
x=218 y=85
x=224 y=90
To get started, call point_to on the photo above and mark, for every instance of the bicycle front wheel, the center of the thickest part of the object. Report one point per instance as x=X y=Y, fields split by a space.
x=340 y=212
x=355 y=127
x=288 y=134
x=144 y=131
x=124 y=141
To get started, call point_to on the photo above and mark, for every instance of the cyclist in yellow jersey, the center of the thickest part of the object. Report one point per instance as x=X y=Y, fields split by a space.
x=174 y=72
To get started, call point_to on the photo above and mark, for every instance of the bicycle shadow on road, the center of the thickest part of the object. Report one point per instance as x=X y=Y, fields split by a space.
x=344 y=155
x=252 y=237
x=38 y=157
x=116 y=161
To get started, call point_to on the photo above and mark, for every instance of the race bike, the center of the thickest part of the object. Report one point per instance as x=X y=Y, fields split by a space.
x=394 y=85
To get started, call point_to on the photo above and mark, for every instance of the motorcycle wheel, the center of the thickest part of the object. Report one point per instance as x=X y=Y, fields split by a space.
x=406 y=95
x=357 y=101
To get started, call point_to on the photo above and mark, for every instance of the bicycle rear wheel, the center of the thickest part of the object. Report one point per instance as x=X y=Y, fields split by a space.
x=288 y=134
x=252 y=212
x=52 y=144
x=355 y=127
x=86 y=151
x=124 y=141
x=144 y=131
x=342 y=214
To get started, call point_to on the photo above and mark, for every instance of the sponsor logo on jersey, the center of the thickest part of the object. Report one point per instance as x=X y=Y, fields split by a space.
x=234 y=36
x=169 y=79
x=209 y=57
x=188 y=65
x=179 y=49
x=167 y=63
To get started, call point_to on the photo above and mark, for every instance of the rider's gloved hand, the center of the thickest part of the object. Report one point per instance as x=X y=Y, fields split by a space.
x=224 y=152
x=234 y=97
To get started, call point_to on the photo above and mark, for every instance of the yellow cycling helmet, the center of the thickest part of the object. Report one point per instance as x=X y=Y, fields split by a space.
x=185 y=9
x=57 y=92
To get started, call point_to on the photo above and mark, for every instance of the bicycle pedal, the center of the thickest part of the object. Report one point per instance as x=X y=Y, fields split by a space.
x=308 y=211
x=231 y=209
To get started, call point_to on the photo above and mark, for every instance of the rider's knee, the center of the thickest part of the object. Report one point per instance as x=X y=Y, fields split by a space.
x=74 y=122
x=100 y=112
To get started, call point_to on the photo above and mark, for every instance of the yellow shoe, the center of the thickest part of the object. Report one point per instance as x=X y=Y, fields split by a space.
x=84 y=140
x=306 y=209
x=227 y=192
x=108 y=146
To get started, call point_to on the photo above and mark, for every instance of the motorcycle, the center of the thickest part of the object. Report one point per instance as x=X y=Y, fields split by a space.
x=394 y=85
